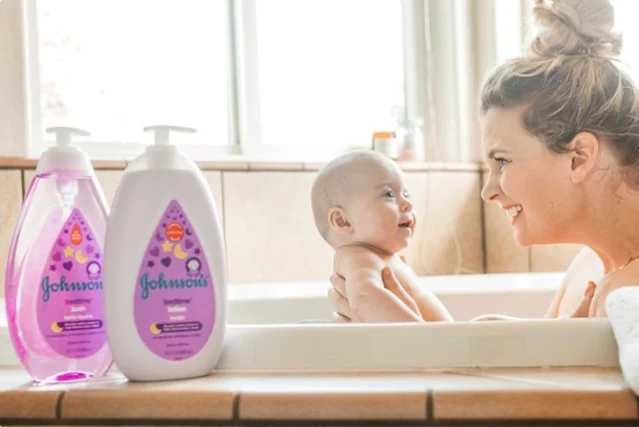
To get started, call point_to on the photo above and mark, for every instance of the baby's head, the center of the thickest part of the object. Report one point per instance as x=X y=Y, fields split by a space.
x=360 y=198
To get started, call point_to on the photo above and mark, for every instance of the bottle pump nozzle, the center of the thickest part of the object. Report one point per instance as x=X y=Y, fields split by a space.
x=162 y=132
x=63 y=134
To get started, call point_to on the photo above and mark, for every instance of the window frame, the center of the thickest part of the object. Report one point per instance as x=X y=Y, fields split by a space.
x=244 y=125
x=96 y=150
x=429 y=55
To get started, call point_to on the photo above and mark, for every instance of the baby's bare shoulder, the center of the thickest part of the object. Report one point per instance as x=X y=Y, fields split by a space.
x=353 y=250
x=351 y=257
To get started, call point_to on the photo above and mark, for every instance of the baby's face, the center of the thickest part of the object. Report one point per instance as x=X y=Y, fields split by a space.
x=381 y=213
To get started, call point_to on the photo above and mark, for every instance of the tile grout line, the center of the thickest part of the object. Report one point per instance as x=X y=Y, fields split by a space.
x=236 y=406
x=23 y=184
x=430 y=407
x=482 y=215
x=222 y=212
x=58 y=406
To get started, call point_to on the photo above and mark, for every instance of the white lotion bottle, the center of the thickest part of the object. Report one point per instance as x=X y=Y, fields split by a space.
x=165 y=275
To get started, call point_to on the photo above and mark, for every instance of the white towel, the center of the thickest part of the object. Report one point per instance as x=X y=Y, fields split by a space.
x=622 y=307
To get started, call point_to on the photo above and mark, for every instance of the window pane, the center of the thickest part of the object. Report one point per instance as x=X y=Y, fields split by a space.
x=626 y=22
x=330 y=71
x=115 y=66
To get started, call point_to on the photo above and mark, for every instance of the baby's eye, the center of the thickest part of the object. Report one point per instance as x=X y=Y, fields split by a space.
x=389 y=193
x=501 y=162
x=406 y=194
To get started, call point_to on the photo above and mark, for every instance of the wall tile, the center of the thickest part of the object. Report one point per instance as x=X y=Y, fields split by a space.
x=28 y=175
x=270 y=233
x=109 y=181
x=448 y=238
x=215 y=182
x=10 y=203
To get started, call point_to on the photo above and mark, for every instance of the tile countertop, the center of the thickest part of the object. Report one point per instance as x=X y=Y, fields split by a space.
x=538 y=396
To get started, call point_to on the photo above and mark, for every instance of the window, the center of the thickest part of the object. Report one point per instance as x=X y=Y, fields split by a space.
x=331 y=72
x=115 y=66
x=512 y=22
x=625 y=11
x=253 y=76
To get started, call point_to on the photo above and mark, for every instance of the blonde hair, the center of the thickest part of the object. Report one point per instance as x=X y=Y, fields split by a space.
x=570 y=81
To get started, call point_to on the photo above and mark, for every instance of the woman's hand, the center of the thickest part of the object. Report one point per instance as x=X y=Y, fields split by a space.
x=343 y=312
x=392 y=284
x=337 y=297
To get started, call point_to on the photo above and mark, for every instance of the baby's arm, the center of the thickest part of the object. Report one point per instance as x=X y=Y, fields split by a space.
x=430 y=307
x=365 y=291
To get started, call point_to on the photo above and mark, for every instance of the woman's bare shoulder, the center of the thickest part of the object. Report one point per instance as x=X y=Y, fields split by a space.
x=585 y=267
x=628 y=276
x=586 y=258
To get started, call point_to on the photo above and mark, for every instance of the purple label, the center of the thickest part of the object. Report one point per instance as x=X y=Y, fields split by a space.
x=70 y=314
x=174 y=299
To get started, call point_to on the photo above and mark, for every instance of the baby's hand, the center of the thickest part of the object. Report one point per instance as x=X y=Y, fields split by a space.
x=583 y=310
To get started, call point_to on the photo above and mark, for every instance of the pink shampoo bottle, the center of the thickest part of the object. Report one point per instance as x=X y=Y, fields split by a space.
x=53 y=283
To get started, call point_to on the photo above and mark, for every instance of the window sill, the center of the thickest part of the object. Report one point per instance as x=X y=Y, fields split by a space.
x=243 y=163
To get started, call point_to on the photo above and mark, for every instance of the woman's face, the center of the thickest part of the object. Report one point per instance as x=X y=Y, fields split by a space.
x=528 y=181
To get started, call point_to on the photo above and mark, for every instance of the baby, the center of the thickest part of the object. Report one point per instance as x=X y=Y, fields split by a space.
x=363 y=210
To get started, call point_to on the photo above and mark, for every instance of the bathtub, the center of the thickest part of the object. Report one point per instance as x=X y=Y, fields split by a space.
x=286 y=327
x=466 y=296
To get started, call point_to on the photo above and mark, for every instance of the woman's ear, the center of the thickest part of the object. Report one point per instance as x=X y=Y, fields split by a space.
x=584 y=152
x=338 y=221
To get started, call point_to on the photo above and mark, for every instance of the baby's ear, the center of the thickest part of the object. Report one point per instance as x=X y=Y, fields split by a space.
x=338 y=220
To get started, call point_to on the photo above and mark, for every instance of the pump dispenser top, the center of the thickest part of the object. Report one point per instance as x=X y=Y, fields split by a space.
x=63 y=135
x=162 y=132
x=64 y=156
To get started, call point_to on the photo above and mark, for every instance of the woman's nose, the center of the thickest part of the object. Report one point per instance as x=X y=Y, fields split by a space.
x=491 y=188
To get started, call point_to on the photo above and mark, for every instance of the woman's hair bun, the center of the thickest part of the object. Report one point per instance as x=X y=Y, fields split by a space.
x=575 y=27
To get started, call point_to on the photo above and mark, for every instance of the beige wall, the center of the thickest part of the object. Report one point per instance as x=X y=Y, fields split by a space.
x=270 y=234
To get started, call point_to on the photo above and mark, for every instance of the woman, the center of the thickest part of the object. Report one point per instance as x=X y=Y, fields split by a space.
x=560 y=130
